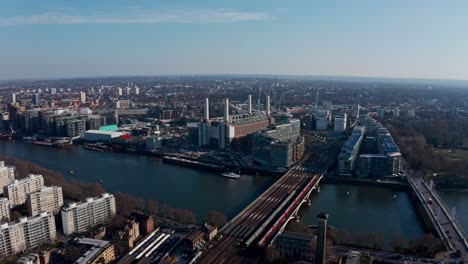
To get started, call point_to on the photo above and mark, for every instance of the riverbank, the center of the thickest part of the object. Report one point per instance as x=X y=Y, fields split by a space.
x=402 y=186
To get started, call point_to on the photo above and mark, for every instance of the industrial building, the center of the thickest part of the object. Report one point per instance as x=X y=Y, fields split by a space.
x=17 y=191
x=101 y=135
x=89 y=251
x=296 y=245
x=219 y=132
x=4 y=210
x=280 y=146
x=48 y=199
x=7 y=175
x=26 y=234
x=79 y=217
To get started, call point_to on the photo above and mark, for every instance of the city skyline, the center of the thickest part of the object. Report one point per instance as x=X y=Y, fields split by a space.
x=325 y=38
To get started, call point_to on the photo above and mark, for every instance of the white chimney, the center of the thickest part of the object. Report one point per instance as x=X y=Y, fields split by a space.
x=250 y=104
x=268 y=106
x=206 y=114
x=226 y=110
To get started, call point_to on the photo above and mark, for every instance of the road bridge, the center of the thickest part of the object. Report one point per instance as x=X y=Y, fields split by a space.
x=444 y=221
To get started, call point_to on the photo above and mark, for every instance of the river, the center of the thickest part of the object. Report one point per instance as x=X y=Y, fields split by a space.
x=356 y=208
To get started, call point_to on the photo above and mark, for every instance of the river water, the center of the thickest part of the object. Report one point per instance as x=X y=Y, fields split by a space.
x=355 y=208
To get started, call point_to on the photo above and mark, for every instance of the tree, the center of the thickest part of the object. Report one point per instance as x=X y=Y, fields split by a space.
x=216 y=218
x=15 y=215
x=153 y=206
x=118 y=221
x=398 y=244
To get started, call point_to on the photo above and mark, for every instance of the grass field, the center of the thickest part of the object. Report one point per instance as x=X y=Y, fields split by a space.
x=454 y=153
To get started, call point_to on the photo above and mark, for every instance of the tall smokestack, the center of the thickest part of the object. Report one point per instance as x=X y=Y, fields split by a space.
x=268 y=105
x=250 y=104
x=226 y=110
x=206 y=113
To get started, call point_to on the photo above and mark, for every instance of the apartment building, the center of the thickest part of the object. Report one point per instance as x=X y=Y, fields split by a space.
x=4 y=210
x=7 y=175
x=79 y=217
x=18 y=191
x=48 y=199
x=27 y=233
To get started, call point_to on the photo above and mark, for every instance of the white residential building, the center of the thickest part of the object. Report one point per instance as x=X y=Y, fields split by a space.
x=340 y=123
x=82 y=97
x=17 y=191
x=7 y=175
x=79 y=217
x=321 y=122
x=4 y=210
x=48 y=199
x=26 y=234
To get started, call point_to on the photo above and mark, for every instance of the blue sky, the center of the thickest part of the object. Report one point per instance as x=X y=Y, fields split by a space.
x=397 y=38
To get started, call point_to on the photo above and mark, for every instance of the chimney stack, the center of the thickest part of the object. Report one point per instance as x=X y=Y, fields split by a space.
x=268 y=106
x=250 y=104
x=226 y=110
x=206 y=114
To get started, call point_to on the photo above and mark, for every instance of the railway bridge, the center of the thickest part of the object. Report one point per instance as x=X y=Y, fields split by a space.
x=265 y=218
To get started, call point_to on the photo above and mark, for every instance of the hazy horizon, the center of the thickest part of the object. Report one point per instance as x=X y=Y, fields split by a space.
x=371 y=39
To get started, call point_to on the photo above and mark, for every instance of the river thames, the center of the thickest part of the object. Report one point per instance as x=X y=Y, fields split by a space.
x=358 y=209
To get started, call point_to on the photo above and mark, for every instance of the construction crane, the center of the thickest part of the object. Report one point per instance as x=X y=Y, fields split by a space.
x=317 y=99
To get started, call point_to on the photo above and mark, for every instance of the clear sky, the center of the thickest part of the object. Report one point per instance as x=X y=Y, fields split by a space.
x=394 y=38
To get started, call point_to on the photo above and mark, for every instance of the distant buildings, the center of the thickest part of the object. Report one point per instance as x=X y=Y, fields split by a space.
x=388 y=160
x=372 y=148
x=322 y=118
x=60 y=123
x=82 y=97
x=79 y=217
x=219 y=132
x=279 y=146
x=17 y=191
x=340 y=123
x=396 y=112
x=101 y=135
x=356 y=110
x=347 y=159
x=7 y=175
x=48 y=199
x=26 y=234
x=36 y=99
x=124 y=104
x=327 y=105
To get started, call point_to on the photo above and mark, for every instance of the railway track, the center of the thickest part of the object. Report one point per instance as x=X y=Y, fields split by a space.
x=246 y=223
